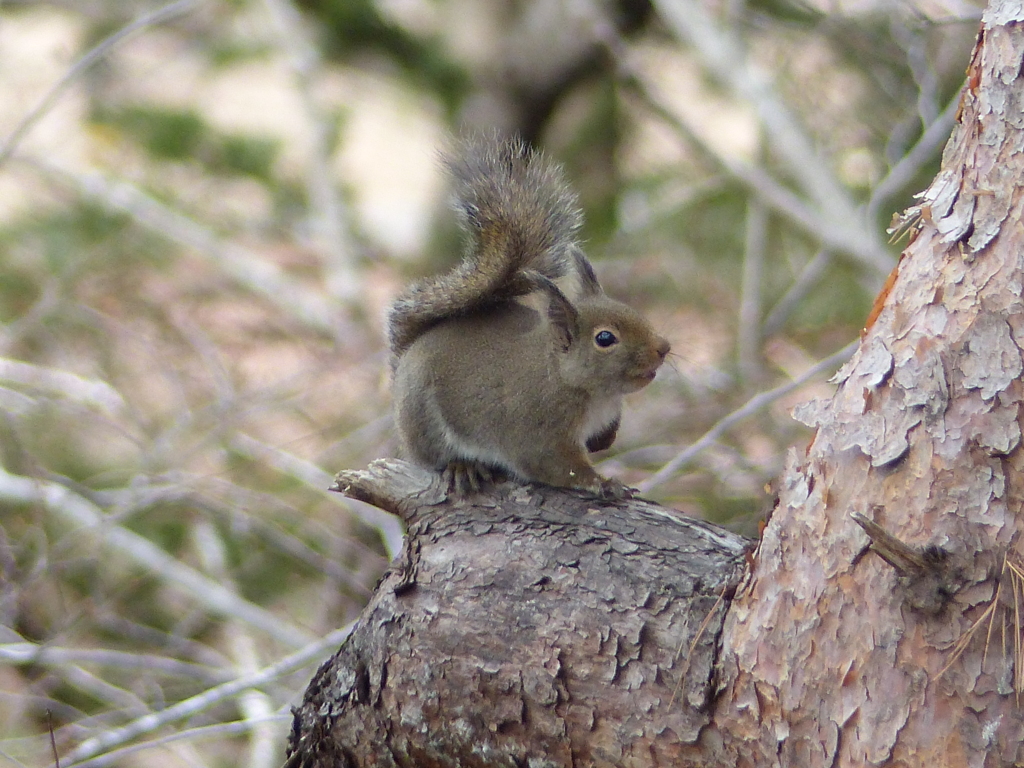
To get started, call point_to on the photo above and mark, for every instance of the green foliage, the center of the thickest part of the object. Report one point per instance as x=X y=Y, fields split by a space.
x=19 y=290
x=793 y=12
x=165 y=133
x=246 y=155
x=66 y=243
x=711 y=228
x=726 y=509
x=840 y=299
x=183 y=135
x=588 y=157
x=355 y=27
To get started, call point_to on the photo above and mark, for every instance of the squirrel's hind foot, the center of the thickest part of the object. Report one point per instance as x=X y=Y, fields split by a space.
x=466 y=477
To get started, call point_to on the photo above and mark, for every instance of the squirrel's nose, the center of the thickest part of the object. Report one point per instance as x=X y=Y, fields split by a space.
x=663 y=347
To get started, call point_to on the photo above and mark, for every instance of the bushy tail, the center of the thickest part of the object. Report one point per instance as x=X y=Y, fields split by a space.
x=520 y=216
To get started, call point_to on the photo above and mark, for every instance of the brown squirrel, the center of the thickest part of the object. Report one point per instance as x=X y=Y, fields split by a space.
x=495 y=366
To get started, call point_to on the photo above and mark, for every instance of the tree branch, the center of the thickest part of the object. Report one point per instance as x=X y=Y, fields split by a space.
x=97 y=52
x=748 y=409
x=529 y=622
x=246 y=268
x=80 y=512
x=90 y=748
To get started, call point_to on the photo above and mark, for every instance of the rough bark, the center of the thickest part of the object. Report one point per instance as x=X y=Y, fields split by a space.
x=532 y=626
x=880 y=620
x=832 y=655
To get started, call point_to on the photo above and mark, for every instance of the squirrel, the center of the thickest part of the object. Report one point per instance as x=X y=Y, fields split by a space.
x=515 y=360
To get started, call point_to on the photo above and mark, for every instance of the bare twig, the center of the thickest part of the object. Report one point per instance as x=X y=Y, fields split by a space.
x=53 y=740
x=117 y=698
x=387 y=525
x=774 y=195
x=91 y=392
x=911 y=163
x=257 y=709
x=245 y=267
x=334 y=239
x=230 y=501
x=109 y=619
x=188 y=734
x=48 y=655
x=254 y=705
x=752 y=406
x=916 y=49
x=203 y=701
x=104 y=47
x=78 y=511
x=802 y=286
x=748 y=334
x=723 y=54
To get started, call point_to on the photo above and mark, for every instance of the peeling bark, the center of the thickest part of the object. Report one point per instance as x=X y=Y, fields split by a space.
x=535 y=627
x=833 y=656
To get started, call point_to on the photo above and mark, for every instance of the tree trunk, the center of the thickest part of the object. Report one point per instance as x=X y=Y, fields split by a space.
x=837 y=657
x=539 y=629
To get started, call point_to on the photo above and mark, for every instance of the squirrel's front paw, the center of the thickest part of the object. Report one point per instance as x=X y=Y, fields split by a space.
x=613 y=490
x=610 y=489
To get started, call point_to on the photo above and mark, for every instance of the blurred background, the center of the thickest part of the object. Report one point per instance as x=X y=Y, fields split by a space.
x=205 y=208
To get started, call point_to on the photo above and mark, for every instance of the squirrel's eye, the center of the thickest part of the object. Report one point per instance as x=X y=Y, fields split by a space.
x=605 y=339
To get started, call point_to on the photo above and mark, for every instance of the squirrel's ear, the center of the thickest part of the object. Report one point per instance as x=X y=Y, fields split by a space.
x=588 y=280
x=565 y=320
